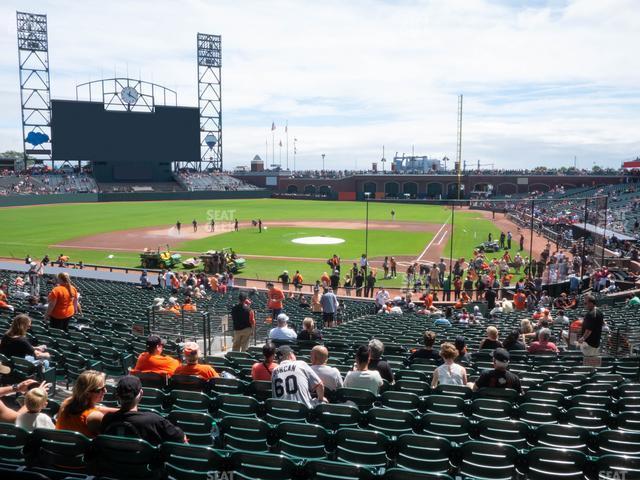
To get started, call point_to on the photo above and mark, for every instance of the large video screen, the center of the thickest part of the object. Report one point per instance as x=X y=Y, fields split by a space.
x=125 y=145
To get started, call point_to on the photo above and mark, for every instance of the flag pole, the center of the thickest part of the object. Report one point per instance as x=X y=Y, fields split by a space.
x=273 y=145
x=286 y=130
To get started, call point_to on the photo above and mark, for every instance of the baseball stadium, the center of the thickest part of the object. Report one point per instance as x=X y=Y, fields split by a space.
x=167 y=317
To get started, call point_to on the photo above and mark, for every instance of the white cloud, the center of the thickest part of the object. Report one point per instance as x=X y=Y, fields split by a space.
x=541 y=79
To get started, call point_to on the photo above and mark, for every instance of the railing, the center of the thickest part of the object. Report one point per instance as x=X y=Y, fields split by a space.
x=182 y=327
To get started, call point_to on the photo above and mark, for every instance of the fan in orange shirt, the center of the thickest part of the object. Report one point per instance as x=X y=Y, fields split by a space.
x=153 y=360
x=213 y=283
x=173 y=306
x=188 y=305
x=275 y=298
x=520 y=301
x=192 y=367
x=3 y=301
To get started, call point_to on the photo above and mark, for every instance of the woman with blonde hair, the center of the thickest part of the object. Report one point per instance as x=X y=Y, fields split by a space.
x=309 y=331
x=449 y=373
x=81 y=412
x=63 y=303
x=526 y=329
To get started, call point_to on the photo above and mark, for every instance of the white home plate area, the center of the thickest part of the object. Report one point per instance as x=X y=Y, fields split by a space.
x=318 y=240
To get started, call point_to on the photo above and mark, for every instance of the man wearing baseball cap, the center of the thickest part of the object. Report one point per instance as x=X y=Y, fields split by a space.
x=192 y=367
x=294 y=379
x=499 y=377
x=153 y=360
x=128 y=421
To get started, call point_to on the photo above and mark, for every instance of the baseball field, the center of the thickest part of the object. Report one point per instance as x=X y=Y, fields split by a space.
x=296 y=234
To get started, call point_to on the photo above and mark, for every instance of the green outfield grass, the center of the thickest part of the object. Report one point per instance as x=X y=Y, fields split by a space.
x=277 y=241
x=32 y=230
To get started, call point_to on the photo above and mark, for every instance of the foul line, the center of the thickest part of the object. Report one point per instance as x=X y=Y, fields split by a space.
x=433 y=239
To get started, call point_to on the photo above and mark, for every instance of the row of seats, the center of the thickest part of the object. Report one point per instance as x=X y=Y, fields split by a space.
x=300 y=451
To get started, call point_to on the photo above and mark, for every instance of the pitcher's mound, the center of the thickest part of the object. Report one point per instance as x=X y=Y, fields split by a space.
x=318 y=240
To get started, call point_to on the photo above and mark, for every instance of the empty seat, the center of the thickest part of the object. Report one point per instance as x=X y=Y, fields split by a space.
x=550 y=463
x=243 y=433
x=423 y=453
x=252 y=466
x=302 y=440
x=509 y=432
x=285 y=411
x=389 y=421
x=125 y=458
x=191 y=462
x=488 y=460
x=562 y=437
x=454 y=428
x=361 y=447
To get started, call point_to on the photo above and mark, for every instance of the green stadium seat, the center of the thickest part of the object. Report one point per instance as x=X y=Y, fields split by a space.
x=590 y=418
x=549 y=463
x=444 y=404
x=243 y=433
x=263 y=466
x=400 y=400
x=59 y=449
x=236 y=406
x=424 y=453
x=562 y=437
x=330 y=470
x=190 y=400
x=454 y=428
x=125 y=458
x=302 y=440
x=618 y=442
x=402 y=474
x=361 y=447
x=490 y=408
x=191 y=462
x=12 y=443
x=197 y=426
x=490 y=461
x=363 y=399
x=509 y=432
x=335 y=416
x=277 y=411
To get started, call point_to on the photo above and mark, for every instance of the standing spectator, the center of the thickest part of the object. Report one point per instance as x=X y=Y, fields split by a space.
x=294 y=379
x=370 y=284
x=490 y=297
x=361 y=376
x=284 y=278
x=275 y=298
x=591 y=334
x=449 y=373
x=335 y=280
x=376 y=349
x=154 y=360
x=442 y=268
x=393 y=267
x=243 y=321
x=330 y=376
x=262 y=370
x=329 y=303
x=521 y=242
x=195 y=225
x=316 y=305
x=297 y=281
x=81 y=411
x=381 y=298
x=499 y=377
x=385 y=267
x=192 y=367
x=282 y=332
x=149 y=426
x=63 y=303
x=359 y=279
x=509 y=238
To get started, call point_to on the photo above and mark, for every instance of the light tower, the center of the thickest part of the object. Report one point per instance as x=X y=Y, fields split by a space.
x=210 y=99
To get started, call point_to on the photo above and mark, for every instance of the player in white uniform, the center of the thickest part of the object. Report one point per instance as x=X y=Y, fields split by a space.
x=294 y=379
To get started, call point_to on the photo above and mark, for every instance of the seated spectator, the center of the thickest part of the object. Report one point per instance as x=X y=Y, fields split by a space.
x=449 y=373
x=543 y=344
x=295 y=380
x=82 y=412
x=192 y=367
x=428 y=338
x=14 y=343
x=361 y=376
x=188 y=305
x=34 y=401
x=282 y=331
x=526 y=330
x=8 y=415
x=562 y=318
x=477 y=314
x=128 y=421
x=173 y=305
x=153 y=359
x=514 y=342
x=442 y=321
x=376 y=349
x=461 y=347
x=491 y=342
x=262 y=370
x=330 y=376
x=4 y=305
x=309 y=332
x=499 y=377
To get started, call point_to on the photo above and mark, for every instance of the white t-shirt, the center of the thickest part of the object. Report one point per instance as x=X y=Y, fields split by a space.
x=330 y=376
x=450 y=374
x=367 y=380
x=294 y=380
x=30 y=421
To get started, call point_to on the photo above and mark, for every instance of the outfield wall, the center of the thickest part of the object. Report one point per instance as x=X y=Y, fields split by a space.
x=25 y=200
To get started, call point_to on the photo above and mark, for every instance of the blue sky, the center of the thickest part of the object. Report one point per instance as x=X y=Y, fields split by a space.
x=543 y=81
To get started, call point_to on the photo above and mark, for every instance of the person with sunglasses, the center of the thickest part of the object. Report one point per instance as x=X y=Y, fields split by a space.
x=82 y=412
